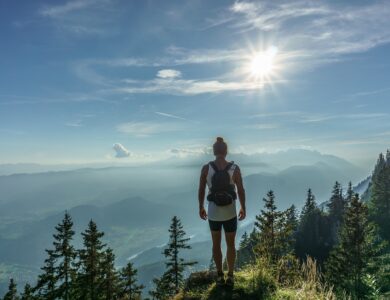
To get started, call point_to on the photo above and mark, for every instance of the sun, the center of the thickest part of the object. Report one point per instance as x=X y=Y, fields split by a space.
x=262 y=64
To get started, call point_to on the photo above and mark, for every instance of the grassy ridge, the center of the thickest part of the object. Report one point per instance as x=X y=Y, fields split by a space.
x=259 y=281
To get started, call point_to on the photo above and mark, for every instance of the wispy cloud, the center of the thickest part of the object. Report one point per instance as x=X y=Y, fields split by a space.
x=324 y=29
x=263 y=126
x=76 y=123
x=190 y=151
x=168 y=73
x=362 y=95
x=54 y=11
x=310 y=118
x=81 y=17
x=145 y=129
x=169 y=115
x=186 y=87
x=276 y=114
x=310 y=33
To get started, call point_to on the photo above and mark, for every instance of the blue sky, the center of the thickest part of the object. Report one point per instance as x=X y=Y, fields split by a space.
x=111 y=80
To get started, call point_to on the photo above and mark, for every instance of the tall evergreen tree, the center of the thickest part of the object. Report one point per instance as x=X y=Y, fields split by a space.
x=47 y=281
x=91 y=256
x=109 y=288
x=268 y=223
x=380 y=196
x=28 y=293
x=336 y=207
x=288 y=228
x=336 y=204
x=175 y=264
x=351 y=259
x=246 y=252
x=65 y=255
x=310 y=204
x=12 y=293
x=313 y=236
x=212 y=266
x=242 y=255
x=350 y=193
x=130 y=288
x=162 y=288
x=380 y=165
x=244 y=240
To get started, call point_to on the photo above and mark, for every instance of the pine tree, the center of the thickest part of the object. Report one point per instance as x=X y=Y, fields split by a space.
x=90 y=257
x=212 y=266
x=12 y=293
x=130 y=288
x=65 y=255
x=47 y=281
x=336 y=208
x=162 y=288
x=175 y=264
x=313 y=236
x=242 y=255
x=244 y=240
x=380 y=165
x=350 y=193
x=269 y=223
x=310 y=204
x=28 y=293
x=245 y=252
x=109 y=288
x=336 y=204
x=288 y=228
x=351 y=259
x=380 y=196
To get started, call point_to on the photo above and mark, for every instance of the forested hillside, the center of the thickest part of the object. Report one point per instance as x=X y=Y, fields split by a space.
x=337 y=252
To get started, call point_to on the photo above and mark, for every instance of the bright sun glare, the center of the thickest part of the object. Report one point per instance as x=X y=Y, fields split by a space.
x=262 y=63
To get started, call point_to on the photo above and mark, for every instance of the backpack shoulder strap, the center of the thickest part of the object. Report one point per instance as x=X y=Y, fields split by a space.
x=214 y=166
x=228 y=166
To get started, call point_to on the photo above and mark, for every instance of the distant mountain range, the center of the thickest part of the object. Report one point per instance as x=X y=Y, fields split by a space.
x=134 y=205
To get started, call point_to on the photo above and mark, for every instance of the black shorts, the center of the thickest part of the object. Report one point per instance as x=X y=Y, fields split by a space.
x=228 y=226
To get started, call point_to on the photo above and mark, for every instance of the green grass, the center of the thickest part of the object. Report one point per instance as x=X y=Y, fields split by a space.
x=258 y=282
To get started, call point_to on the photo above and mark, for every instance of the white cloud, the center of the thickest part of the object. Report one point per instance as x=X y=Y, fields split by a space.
x=187 y=87
x=310 y=33
x=313 y=118
x=82 y=17
x=121 y=151
x=183 y=152
x=277 y=114
x=145 y=129
x=168 y=73
x=67 y=7
x=325 y=30
x=182 y=56
x=263 y=126
x=169 y=115
x=77 y=123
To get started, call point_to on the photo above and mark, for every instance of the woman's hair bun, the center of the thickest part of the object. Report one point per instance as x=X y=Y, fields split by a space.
x=219 y=139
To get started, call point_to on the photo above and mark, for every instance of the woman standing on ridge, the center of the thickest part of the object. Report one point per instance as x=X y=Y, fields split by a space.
x=222 y=178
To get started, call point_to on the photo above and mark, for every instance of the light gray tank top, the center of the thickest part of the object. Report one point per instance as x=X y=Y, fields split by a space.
x=220 y=213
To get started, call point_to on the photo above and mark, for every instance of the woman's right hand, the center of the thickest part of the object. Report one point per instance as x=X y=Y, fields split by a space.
x=202 y=213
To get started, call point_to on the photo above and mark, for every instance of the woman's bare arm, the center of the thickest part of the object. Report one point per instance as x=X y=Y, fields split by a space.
x=202 y=192
x=237 y=178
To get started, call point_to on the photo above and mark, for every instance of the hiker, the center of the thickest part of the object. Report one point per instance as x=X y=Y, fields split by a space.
x=222 y=178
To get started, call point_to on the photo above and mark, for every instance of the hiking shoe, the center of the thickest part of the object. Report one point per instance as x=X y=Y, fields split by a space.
x=220 y=280
x=230 y=280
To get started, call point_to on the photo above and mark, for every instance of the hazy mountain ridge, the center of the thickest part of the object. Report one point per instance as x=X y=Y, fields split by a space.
x=132 y=224
x=133 y=214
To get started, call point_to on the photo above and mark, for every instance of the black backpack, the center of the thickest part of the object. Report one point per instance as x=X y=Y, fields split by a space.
x=222 y=192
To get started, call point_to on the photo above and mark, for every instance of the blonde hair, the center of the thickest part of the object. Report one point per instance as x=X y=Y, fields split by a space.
x=220 y=147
